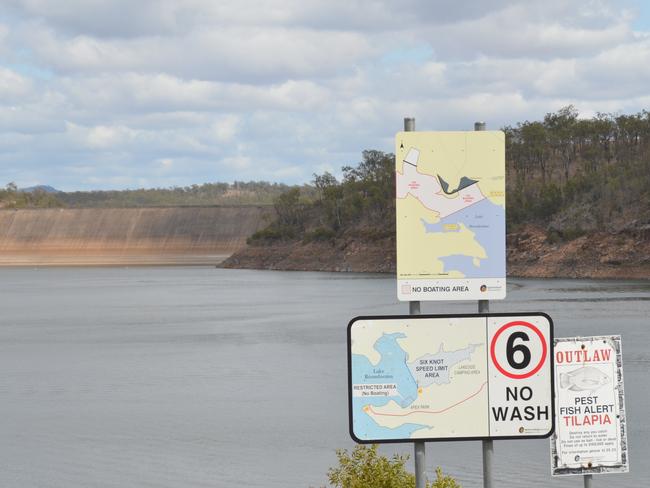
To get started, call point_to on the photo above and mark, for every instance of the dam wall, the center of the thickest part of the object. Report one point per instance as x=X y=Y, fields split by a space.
x=137 y=236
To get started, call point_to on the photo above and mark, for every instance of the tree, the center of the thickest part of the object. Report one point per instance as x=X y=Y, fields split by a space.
x=374 y=181
x=535 y=146
x=323 y=182
x=561 y=128
x=365 y=468
x=289 y=209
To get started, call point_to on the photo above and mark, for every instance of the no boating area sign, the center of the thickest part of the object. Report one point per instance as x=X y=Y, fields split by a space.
x=450 y=377
x=450 y=212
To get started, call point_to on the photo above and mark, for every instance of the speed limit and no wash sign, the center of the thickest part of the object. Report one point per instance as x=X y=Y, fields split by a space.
x=445 y=377
x=520 y=375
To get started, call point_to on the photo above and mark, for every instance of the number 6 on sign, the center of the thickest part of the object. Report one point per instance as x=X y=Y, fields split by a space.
x=512 y=348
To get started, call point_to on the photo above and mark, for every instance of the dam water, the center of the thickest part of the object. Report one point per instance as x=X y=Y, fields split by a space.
x=201 y=377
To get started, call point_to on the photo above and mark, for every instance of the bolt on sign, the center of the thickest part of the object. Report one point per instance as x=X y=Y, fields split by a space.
x=589 y=406
x=450 y=377
x=450 y=215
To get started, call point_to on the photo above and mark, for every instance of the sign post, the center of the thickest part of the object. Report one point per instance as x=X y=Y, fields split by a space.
x=450 y=212
x=419 y=455
x=450 y=377
x=487 y=445
x=590 y=437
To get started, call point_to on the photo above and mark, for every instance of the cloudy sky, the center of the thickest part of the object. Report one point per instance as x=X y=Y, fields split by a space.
x=100 y=94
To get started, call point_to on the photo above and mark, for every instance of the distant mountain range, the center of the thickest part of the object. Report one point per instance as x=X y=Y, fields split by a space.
x=45 y=188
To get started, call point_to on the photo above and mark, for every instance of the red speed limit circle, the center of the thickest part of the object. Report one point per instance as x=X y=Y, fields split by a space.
x=520 y=347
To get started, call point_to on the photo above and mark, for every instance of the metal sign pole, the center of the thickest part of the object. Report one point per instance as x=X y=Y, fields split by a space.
x=420 y=457
x=488 y=446
x=414 y=309
x=588 y=479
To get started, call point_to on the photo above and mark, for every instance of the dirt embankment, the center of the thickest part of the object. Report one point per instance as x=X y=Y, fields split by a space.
x=175 y=235
x=529 y=254
x=346 y=254
x=595 y=255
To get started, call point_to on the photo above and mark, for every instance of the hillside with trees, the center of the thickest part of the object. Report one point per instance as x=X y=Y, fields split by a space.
x=571 y=181
x=12 y=197
x=580 y=175
x=237 y=193
x=207 y=194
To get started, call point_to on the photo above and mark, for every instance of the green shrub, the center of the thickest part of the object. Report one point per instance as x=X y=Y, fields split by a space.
x=374 y=233
x=549 y=201
x=572 y=233
x=271 y=234
x=365 y=468
x=319 y=234
x=553 y=237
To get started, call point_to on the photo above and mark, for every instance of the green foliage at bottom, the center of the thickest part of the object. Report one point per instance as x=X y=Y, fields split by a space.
x=365 y=468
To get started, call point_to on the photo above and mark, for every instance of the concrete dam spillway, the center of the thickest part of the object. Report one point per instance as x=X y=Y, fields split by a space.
x=127 y=236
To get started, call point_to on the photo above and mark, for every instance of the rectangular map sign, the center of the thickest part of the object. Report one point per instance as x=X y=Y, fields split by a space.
x=450 y=209
x=450 y=377
x=590 y=407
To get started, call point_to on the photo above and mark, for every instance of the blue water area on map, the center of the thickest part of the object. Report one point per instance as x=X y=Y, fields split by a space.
x=392 y=368
x=487 y=221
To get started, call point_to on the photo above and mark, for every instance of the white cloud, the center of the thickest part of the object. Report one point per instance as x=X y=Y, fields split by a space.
x=186 y=91
x=151 y=93
x=239 y=162
x=230 y=53
x=13 y=86
x=226 y=128
x=546 y=30
x=103 y=137
x=165 y=163
x=102 y=18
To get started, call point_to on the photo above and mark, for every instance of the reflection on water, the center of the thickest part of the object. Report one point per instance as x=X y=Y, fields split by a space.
x=203 y=377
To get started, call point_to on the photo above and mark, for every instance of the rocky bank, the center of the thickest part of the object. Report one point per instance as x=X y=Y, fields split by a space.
x=530 y=253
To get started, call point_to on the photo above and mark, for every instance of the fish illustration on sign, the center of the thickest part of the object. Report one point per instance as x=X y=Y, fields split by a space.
x=582 y=379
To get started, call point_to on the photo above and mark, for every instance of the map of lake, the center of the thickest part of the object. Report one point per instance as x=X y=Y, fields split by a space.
x=486 y=220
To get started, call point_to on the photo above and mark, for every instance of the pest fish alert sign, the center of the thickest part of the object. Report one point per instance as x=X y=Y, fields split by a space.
x=450 y=377
x=590 y=407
